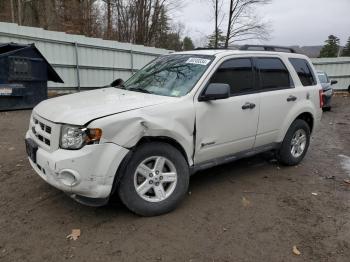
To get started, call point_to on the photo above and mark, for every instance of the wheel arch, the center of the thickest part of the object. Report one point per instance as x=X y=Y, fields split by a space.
x=167 y=140
x=305 y=115
x=147 y=139
x=308 y=118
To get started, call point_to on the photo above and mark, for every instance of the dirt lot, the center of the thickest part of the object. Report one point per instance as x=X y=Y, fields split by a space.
x=250 y=210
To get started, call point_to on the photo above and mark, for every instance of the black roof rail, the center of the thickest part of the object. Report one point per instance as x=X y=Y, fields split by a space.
x=272 y=48
x=212 y=48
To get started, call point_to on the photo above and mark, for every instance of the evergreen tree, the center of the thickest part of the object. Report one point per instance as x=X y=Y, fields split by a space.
x=163 y=29
x=172 y=42
x=188 y=44
x=331 y=48
x=346 y=50
x=167 y=35
x=221 y=40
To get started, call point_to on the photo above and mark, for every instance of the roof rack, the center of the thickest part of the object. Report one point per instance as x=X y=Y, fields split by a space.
x=272 y=48
x=213 y=48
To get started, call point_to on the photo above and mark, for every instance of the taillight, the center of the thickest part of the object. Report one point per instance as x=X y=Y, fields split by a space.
x=321 y=98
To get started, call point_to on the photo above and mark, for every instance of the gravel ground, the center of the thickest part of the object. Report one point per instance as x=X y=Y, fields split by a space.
x=249 y=210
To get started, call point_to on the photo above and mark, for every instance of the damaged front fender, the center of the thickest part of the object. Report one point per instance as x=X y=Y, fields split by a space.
x=175 y=121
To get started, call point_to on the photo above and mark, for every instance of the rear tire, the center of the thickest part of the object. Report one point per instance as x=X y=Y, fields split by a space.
x=156 y=179
x=295 y=143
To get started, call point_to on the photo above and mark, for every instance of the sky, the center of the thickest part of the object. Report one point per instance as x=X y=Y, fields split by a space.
x=292 y=22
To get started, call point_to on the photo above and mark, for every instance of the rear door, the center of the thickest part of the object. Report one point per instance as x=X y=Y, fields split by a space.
x=225 y=127
x=278 y=96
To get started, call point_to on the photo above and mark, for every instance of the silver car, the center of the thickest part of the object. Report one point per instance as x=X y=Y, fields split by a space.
x=327 y=89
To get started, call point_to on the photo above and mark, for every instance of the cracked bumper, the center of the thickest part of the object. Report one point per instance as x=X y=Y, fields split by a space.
x=93 y=167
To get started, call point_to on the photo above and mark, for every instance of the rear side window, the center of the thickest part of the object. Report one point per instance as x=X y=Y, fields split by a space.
x=238 y=73
x=273 y=74
x=304 y=71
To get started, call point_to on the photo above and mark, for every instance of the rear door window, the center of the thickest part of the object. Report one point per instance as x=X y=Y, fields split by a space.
x=238 y=73
x=304 y=71
x=273 y=74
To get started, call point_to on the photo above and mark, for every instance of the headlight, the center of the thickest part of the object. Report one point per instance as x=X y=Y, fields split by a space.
x=74 y=137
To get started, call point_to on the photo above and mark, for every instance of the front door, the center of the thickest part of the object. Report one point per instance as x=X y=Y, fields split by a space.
x=225 y=127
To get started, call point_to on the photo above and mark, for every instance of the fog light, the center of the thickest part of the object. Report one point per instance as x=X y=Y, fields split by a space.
x=68 y=177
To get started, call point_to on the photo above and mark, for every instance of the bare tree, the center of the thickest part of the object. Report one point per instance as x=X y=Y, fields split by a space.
x=19 y=11
x=146 y=22
x=218 y=19
x=109 y=18
x=243 y=24
x=216 y=22
x=12 y=12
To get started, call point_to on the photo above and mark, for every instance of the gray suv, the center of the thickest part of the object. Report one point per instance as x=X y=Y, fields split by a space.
x=327 y=89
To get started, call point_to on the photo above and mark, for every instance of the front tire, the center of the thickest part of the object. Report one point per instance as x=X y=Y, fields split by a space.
x=156 y=179
x=295 y=144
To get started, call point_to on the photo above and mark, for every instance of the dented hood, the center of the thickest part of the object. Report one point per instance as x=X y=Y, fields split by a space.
x=81 y=108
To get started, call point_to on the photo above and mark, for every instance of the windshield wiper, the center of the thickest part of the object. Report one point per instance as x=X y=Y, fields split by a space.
x=138 y=89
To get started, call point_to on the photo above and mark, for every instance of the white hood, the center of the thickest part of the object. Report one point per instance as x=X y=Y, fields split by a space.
x=80 y=108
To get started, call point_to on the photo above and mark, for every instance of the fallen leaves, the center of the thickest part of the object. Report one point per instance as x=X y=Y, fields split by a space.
x=347 y=181
x=74 y=235
x=296 y=251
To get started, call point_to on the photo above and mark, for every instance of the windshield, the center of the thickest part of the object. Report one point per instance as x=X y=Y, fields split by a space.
x=323 y=78
x=170 y=75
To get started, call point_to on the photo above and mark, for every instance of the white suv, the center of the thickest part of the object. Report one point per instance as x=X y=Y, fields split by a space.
x=181 y=113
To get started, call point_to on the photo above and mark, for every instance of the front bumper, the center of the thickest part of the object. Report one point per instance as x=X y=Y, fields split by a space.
x=93 y=168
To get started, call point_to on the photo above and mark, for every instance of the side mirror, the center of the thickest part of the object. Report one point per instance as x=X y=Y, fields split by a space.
x=117 y=82
x=333 y=82
x=215 y=91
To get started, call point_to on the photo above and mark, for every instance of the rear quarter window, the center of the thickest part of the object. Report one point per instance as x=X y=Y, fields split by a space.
x=303 y=69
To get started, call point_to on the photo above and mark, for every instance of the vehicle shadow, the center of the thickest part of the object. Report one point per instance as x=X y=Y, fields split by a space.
x=235 y=169
x=254 y=167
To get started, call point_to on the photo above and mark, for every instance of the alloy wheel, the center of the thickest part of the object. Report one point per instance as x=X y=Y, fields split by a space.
x=155 y=179
x=298 y=143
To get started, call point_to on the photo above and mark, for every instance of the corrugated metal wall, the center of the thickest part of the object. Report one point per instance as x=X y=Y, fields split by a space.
x=337 y=68
x=98 y=61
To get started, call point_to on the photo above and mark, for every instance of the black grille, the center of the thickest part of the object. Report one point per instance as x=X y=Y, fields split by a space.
x=43 y=127
x=48 y=129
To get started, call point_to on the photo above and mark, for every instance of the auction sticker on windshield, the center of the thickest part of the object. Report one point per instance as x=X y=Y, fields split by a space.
x=197 y=61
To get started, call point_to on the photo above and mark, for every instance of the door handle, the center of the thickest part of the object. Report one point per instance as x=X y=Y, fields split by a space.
x=248 y=106
x=291 y=98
